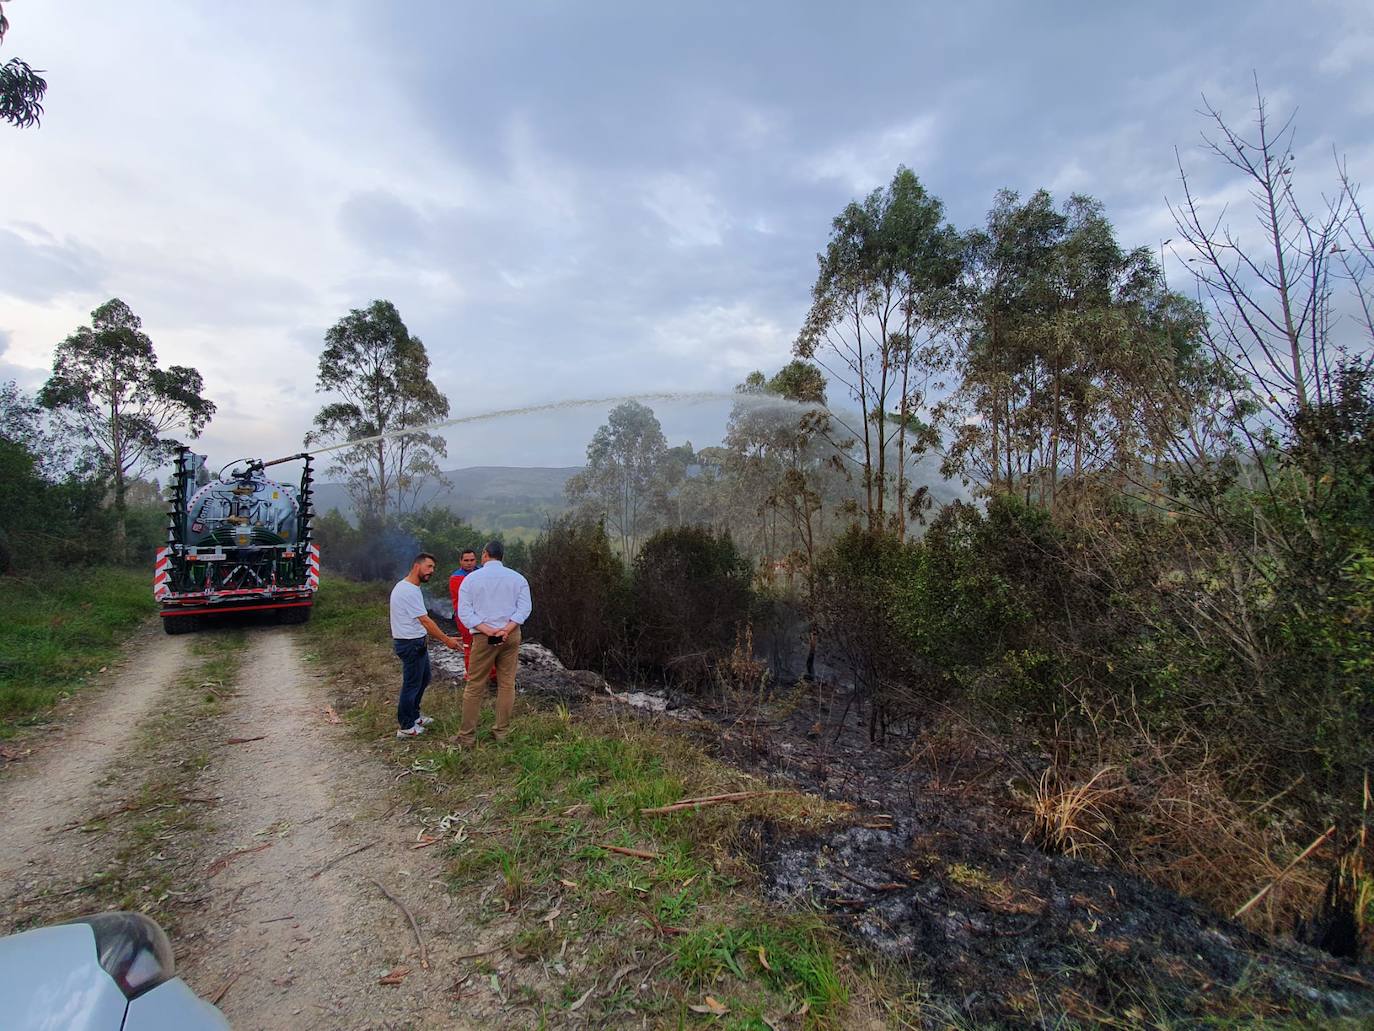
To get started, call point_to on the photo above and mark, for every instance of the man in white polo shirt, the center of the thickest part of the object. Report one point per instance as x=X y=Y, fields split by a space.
x=410 y=625
x=494 y=602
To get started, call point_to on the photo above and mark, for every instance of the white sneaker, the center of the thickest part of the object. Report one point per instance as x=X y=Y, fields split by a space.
x=423 y=721
x=414 y=731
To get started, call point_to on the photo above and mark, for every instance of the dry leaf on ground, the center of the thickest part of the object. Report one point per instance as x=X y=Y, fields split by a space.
x=711 y=1005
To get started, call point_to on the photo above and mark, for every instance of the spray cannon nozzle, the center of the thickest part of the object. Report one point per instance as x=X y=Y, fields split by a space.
x=288 y=458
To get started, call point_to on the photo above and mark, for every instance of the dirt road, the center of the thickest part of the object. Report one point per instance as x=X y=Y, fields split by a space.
x=282 y=937
x=75 y=771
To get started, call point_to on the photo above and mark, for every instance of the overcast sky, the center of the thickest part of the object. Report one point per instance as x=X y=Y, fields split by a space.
x=581 y=199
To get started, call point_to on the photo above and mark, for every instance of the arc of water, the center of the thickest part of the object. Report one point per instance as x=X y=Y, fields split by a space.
x=685 y=397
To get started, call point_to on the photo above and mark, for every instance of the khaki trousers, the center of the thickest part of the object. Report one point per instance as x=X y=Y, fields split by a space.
x=505 y=657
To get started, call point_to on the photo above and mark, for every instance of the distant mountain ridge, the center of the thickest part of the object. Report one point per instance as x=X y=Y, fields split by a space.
x=491 y=497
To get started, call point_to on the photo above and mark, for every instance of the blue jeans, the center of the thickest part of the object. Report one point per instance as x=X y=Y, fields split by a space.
x=414 y=656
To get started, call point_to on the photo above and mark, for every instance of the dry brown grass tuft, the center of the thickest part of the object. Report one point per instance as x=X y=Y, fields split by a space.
x=1191 y=836
x=1077 y=817
x=1166 y=809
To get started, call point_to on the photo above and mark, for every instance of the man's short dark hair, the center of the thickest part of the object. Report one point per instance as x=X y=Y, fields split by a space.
x=494 y=550
x=421 y=557
x=466 y=552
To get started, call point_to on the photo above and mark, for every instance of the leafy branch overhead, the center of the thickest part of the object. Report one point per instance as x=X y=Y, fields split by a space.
x=21 y=87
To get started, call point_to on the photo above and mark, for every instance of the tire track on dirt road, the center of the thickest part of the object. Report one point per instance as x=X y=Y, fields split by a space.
x=287 y=944
x=65 y=781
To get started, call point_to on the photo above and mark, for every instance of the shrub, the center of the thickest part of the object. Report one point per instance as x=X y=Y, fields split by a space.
x=580 y=595
x=690 y=597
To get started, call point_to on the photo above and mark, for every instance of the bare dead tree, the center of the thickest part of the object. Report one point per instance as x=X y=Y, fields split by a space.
x=1271 y=299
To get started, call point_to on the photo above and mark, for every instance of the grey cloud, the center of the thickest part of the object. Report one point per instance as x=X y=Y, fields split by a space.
x=382 y=223
x=212 y=291
x=38 y=267
x=27 y=378
x=617 y=196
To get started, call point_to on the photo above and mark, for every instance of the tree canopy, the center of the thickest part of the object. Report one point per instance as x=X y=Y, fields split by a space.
x=106 y=382
x=627 y=474
x=380 y=372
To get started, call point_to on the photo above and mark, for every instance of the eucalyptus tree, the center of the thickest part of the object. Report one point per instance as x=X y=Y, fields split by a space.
x=881 y=304
x=783 y=465
x=785 y=475
x=627 y=476
x=106 y=383
x=380 y=373
x=1076 y=359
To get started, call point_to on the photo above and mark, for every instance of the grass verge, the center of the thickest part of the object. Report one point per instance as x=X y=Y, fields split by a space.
x=145 y=840
x=610 y=914
x=55 y=631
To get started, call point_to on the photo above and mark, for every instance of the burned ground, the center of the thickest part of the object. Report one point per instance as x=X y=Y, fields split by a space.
x=936 y=876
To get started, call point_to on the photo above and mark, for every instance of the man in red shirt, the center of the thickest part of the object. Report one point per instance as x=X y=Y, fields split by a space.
x=467 y=562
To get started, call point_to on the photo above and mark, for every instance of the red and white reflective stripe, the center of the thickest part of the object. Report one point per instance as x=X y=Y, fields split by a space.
x=312 y=575
x=161 y=571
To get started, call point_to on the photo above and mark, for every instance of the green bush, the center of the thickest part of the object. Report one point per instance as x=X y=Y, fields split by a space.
x=580 y=594
x=690 y=600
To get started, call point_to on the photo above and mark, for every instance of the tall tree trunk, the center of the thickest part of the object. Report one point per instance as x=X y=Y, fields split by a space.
x=1275 y=232
x=1054 y=433
x=120 y=542
x=901 y=432
x=863 y=412
x=994 y=418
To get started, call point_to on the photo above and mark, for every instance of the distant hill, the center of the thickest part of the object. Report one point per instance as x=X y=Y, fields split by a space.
x=519 y=500
x=490 y=497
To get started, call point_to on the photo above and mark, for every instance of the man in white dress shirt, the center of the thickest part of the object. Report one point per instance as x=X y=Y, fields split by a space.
x=494 y=602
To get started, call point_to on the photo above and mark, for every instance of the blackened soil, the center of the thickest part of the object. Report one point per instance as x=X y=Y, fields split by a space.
x=936 y=876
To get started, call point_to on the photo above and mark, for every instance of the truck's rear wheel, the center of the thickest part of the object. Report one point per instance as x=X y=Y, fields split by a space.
x=180 y=624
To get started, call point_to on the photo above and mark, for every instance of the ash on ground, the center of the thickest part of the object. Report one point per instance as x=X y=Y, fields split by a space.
x=542 y=673
x=935 y=875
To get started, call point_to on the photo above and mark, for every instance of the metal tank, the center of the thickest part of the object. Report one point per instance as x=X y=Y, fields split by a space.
x=240 y=542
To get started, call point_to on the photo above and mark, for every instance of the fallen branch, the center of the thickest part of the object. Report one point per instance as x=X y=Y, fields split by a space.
x=340 y=859
x=693 y=803
x=73 y=891
x=865 y=884
x=644 y=981
x=1283 y=873
x=218 y=997
x=424 y=953
x=636 y=853
x=219 y=865
x=127 y=807
x=245 y=740
x=476 y=955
